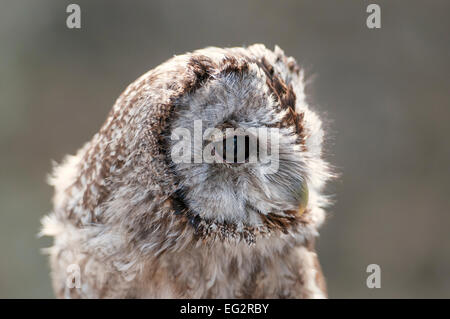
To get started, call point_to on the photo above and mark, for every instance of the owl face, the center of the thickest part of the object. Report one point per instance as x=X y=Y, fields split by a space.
x=243 y=111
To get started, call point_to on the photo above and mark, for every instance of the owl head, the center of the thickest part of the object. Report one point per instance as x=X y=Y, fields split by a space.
x=214 y=145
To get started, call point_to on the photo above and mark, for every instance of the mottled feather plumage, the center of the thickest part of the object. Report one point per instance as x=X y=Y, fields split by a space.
x=140 y=226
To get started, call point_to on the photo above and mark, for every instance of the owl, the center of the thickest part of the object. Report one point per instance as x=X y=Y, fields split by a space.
x=234 y=216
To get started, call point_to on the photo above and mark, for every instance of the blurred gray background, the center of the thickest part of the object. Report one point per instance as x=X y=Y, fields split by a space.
x=384 y=94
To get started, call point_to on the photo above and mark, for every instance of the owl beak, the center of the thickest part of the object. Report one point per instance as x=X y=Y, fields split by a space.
x=303 y=196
